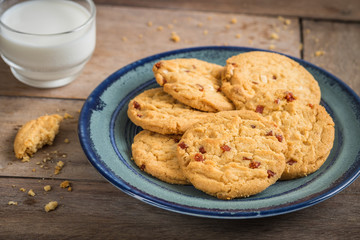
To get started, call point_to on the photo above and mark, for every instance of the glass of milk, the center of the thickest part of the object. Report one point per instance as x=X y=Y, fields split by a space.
x=47 y=43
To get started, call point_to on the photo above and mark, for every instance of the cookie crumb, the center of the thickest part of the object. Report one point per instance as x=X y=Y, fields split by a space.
x=272 y=47
x=274 y=36
x=140 y=36
x=233 y=21
x=22 y=189
x=12 y=203
x=200 y=24
x=47 y=188
x=319 y=53
x=33 y=170
x=238 y=35
x=301 y=46
x=31 y=193
x=65 y=184
x=307 y=31
x=58 y=167
x=206 y=32
x=66 y=115
x=160 y=28
x=66 y=140
x=174 y=37
x=124 y=39
x=227 y=26
x=170 y=26
x=149 y=23
x=51 y=206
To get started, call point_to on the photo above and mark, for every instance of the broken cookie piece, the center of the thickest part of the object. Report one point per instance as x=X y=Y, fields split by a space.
x=35 y=134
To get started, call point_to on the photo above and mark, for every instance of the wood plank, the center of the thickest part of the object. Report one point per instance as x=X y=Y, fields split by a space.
x=319 y=9
x=17 y=111
x=340 y=43
x=123 y=36
x=97 y=210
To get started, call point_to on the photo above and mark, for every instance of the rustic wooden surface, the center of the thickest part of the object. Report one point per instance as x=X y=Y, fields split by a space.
x=96 y=209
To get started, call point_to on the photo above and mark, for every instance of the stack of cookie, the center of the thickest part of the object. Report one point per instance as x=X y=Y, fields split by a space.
x=234 y=130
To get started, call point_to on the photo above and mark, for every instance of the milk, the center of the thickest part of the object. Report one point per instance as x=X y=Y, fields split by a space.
x=47 y=40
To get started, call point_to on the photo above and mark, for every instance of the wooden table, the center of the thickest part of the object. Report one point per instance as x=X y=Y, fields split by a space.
x=128 y=31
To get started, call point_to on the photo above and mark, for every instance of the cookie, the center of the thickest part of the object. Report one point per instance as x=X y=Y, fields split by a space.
x=249 y=74
x=193 y=82
x=157 y=111
x=268 y=100
x=309 y=132
x=155 y=154
x=35 y=134
x=232 y=154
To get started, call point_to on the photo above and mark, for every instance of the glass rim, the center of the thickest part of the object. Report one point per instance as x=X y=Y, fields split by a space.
x=78 y=28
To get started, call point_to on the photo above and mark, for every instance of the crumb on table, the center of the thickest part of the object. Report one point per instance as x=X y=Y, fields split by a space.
x=51 y=206
x=47 y=188
x=58 y=167
x=12 y=203
x=31 y=193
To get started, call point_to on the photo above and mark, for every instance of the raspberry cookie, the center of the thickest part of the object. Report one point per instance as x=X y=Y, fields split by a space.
x=157 y=111
x=232 y=154
x=309 y=132
x=193 y=82
x=248 y=74
x=35 y=134
x=156 y=154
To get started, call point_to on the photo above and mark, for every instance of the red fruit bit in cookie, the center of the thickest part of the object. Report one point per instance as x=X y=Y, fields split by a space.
x=311 y=106
x=246 y=158
x=289 y=96
x=142 y=167
x=274 y=77
x=279 y=137
x=291 y=162
x=194 y=67
x=254 y=165
x=270 y=133
x=176 y=140
x=199 y=157
x=182 y=145
x=252 y=126
x=136 y=105
x=255 y=82
x=158 y=65
x=270 y=173
x=219 y=89
x=139 y=115
x=225 y=148
x=259 y=109
x=202 y=150
x=277 y=101
x=234 y=64
x=201 y=88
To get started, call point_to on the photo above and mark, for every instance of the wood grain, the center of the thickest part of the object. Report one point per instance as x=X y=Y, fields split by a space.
x=97 y=210
x=319 y=9
x=123 y=36
x=340 y=43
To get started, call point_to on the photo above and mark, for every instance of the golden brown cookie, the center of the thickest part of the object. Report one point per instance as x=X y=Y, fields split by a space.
x=193 y=82
x=157 y=111
x=232 y=154
x=155 y=154
x=248 y=75
x=35 y=134
x=309 y=132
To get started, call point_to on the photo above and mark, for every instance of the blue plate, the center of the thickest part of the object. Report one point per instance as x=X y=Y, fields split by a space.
x=106 y=135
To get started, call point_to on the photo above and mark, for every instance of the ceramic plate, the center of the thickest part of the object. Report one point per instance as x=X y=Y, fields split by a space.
x=106 y=135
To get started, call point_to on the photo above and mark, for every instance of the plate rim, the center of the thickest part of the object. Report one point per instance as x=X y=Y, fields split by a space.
x=85 y=141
